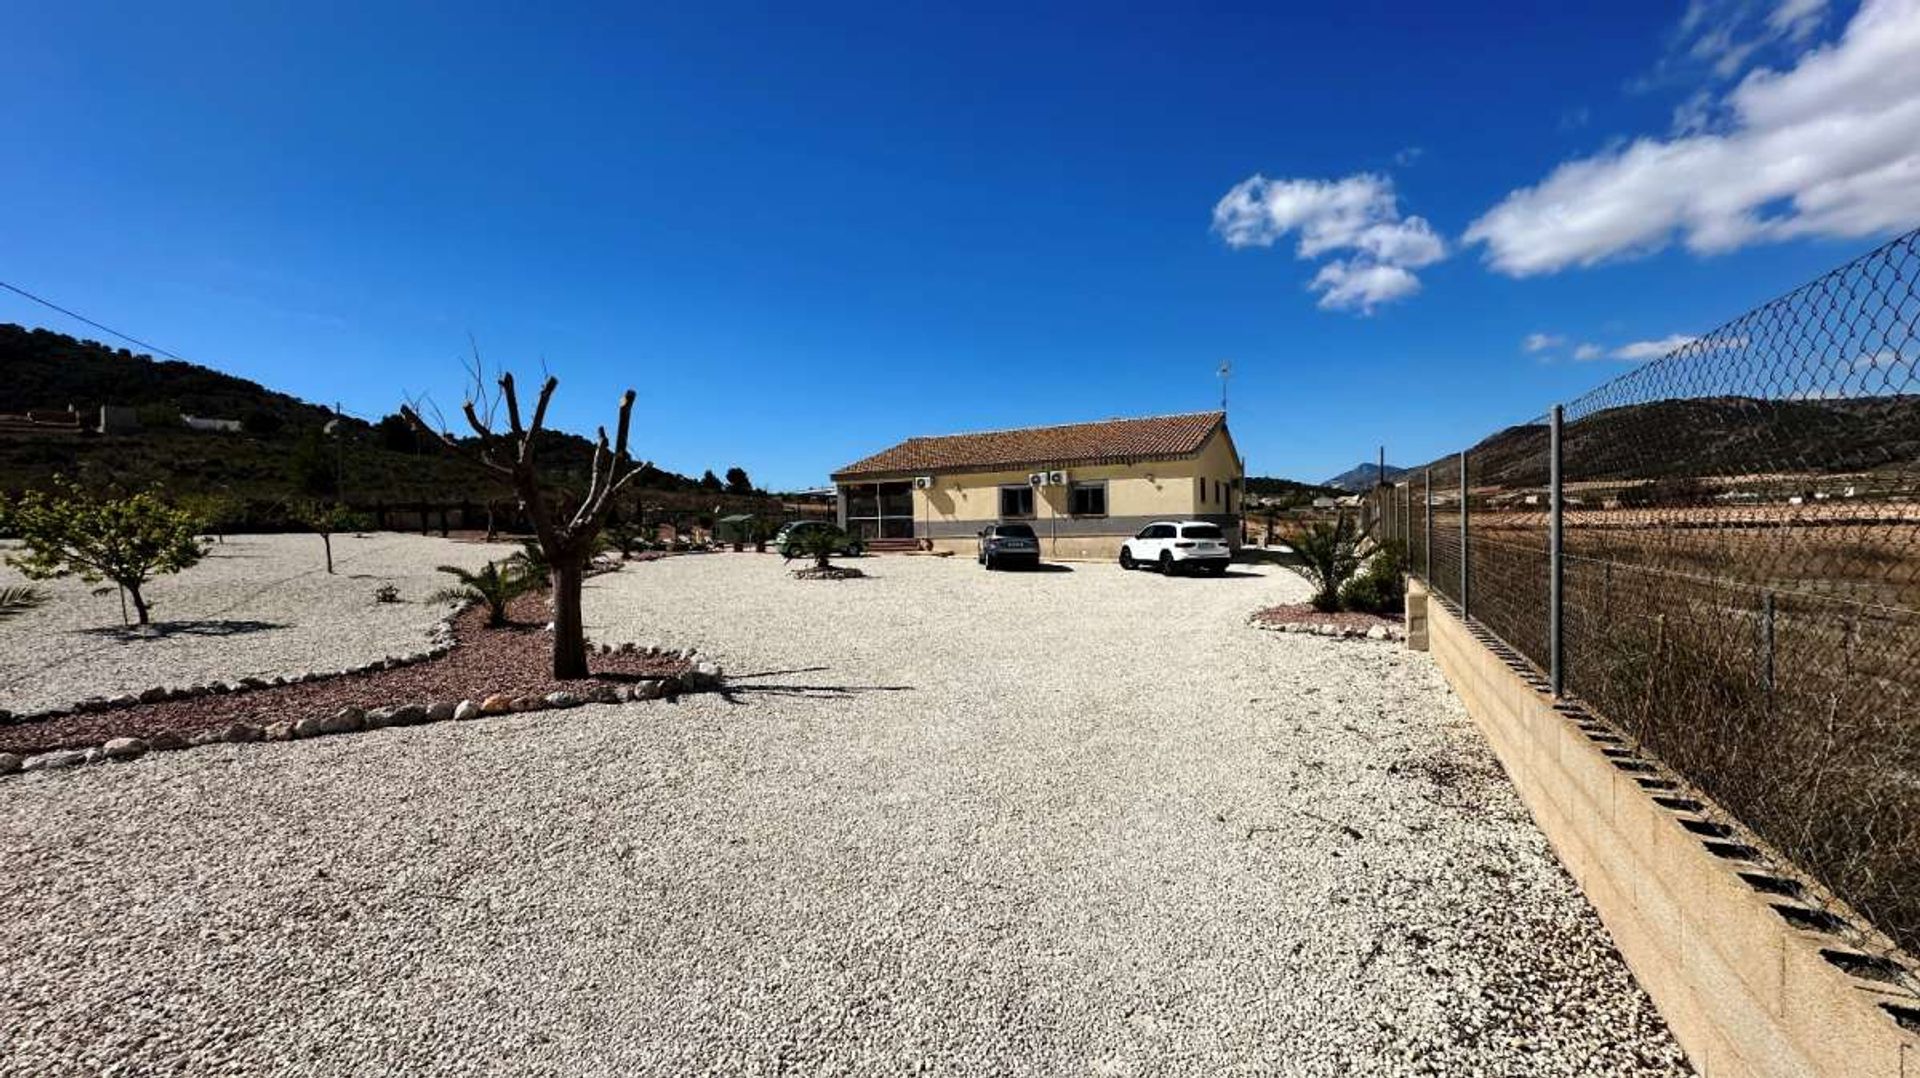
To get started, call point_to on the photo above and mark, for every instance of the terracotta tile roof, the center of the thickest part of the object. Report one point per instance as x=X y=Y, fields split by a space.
x=1106 y=442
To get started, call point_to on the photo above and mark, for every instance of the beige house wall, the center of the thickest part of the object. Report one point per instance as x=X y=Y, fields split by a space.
x=961 y=503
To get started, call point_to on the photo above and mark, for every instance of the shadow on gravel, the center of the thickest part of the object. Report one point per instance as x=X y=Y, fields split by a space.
x=733 y=692
x=160 y=630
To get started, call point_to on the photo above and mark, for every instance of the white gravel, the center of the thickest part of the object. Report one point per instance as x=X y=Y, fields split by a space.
x=1075 y=822
x=257 y=605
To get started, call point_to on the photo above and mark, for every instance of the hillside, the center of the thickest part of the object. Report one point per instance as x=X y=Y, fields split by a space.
x=1364 y=477
x=282 y=453
x=1712 y=436
x=1288 y=493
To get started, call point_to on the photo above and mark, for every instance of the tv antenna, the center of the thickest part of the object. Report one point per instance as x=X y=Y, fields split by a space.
x=1225 y=372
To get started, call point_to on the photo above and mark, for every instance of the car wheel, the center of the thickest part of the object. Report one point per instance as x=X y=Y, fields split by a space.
x=1219 y=569
x=991 y=564
x=1126 y=559
x=1166 y=563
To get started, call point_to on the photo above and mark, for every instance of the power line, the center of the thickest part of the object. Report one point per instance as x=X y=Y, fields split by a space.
x=16 y=289
x=104 y=329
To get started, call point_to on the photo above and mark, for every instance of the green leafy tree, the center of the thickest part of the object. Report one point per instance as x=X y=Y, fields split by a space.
x=737 y=481
x=710 y=481
x=68 y=532
x=218 y=512
x=495 y=586
x=326 y=518
x=261 y=422
x=396 y=435
x=1326 y=554
x=316 y=464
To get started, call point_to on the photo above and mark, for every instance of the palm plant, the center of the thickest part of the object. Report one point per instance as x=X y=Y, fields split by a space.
x=1326 y=554
x=820 y=544
x=531 y=562
x=19 y=599
x=493 y=586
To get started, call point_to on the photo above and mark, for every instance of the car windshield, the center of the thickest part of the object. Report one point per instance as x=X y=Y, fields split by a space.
x=1015 y=531
x=1201 y=531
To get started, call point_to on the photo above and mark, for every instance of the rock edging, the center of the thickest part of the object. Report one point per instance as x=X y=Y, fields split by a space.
x=1339 y=632
x=441 y=641
x=701 y=677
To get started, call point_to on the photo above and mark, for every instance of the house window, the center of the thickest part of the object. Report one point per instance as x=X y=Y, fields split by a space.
x=1016 y=502
x=1203 y=491
x=1087 y=499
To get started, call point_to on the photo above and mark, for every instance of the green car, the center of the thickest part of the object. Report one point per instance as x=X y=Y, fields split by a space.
x=787 y=541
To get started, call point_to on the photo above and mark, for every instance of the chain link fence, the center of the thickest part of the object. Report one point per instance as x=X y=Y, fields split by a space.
x=1739 y=564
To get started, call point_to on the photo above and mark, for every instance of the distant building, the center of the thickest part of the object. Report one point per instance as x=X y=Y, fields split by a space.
x=1083 y=487
x=118 y=419
x=40 y=423
x=195 y=422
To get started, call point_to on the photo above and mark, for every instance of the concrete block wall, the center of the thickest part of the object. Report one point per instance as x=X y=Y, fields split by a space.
x=1752 y=967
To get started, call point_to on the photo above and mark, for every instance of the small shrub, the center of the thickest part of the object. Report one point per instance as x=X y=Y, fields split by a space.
x=1381 y=587
x=386 y=593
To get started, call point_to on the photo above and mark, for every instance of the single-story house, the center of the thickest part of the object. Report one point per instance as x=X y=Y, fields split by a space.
x=1084 y=487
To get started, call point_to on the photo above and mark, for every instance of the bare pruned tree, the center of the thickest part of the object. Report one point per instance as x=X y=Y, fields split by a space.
x=565 y=522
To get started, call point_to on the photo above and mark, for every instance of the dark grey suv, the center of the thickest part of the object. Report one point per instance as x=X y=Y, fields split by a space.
x=1003 y=545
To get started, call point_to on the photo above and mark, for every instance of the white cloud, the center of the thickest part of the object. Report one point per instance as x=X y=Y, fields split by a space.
x=1830 y=147
x=1797 y=19
x=1540 y=342
x=1653 y=349
x=1354 y=284
x=1357 y=217
x=1586 y=352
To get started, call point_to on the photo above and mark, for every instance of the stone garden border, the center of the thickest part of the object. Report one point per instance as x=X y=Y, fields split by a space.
x=701 y=677
x=441 y=642
x=698 y=677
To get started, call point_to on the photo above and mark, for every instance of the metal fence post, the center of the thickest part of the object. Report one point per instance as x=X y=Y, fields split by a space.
x=1766 y=642
x=1464 y=608
x=1556 y=569
x=1426 y=539
x=1406 y=520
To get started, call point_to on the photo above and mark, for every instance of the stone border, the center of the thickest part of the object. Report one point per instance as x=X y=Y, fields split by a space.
x=1338 y=632
x=441 y=642
x=702 y=677
x=1756 y=968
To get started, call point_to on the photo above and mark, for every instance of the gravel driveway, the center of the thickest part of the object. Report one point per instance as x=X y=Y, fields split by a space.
x=1081 y=822
x=258 y=604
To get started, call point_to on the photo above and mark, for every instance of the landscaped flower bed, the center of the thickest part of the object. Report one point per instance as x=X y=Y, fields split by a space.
x=1303 y=618
x=513 y=665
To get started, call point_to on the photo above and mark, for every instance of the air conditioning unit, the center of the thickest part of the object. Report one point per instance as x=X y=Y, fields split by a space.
x=923 y=482
x=1036 y=479
x=1056 y=479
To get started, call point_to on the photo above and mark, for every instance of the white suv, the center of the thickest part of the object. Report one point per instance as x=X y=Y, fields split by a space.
x=1174 y=545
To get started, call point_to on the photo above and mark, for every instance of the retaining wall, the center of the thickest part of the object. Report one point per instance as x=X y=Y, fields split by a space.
x=1756 y=970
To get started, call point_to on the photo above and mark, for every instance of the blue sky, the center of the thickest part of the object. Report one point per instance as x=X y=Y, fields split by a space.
x=804 y=232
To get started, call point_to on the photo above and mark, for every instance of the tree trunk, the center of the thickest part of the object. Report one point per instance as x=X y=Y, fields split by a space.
x=569 y=637
x=327 y=541
x=139 y=603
